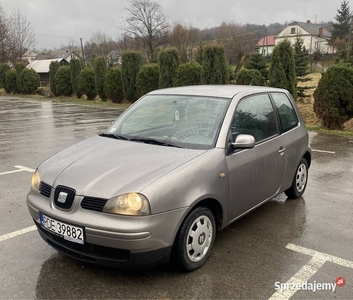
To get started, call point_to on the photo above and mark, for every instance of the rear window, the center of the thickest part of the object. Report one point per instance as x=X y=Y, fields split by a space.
x=287 y=114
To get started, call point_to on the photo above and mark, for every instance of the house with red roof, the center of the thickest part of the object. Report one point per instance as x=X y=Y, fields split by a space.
x=266 y=45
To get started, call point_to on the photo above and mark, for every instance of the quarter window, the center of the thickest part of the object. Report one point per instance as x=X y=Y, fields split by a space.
x=286 y=112
x=255 y=116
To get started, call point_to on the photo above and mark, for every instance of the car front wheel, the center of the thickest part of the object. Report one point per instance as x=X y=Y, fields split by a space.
x=195 y=239
x=299 y=181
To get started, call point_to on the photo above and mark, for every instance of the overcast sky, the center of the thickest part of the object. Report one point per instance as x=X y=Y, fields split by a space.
x=55 y=22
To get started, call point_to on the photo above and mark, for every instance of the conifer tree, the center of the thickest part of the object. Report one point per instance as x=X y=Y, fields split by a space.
x=302 y=60
x=257 y=62
x=341 y=28
x=75 y=69
x=100 y=71
x=282 y=70
x=214 y=65
x=131 y=64
x=169 y=62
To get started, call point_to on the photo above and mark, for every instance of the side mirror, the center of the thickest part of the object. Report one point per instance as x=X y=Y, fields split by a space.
x=244 y=141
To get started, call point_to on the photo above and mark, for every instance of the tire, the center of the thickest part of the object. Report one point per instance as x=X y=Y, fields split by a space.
x=195 y=239
x=299 y=182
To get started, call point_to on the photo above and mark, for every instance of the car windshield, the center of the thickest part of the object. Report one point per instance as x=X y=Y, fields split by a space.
x=172 y=120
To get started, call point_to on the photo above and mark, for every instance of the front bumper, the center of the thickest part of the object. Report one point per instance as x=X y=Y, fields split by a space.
x=111 y=240
x=106 y=256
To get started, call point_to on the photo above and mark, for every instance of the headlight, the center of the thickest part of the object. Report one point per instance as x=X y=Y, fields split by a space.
x=35 y=181
x=128 y=204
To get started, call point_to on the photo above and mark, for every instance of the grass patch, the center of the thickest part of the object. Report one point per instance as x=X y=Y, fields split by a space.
x=100 y=103
x=318 y=128
x=71 y=100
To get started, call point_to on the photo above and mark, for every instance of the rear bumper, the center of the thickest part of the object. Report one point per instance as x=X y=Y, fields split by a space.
x=106 y=256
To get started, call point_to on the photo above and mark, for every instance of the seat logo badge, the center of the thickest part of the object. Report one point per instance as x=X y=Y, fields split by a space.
x=202 y=238
x=62 y=197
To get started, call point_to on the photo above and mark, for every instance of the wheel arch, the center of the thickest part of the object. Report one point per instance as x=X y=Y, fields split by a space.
x=216 y=208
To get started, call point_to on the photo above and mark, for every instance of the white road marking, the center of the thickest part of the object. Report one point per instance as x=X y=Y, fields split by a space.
x=334 y=259
x=21 y=169
x=323 y=151
x=307 y=271
x=17 y=233
x=25 y=169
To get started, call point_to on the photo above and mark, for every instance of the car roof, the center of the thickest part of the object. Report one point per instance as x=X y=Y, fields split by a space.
x=224 y=91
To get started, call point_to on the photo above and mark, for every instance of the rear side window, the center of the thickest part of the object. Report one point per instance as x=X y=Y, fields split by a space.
x=286 y=112
x=255 y=115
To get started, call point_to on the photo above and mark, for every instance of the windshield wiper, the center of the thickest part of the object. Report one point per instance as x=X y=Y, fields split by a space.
x=114 y=136
x=154 y=142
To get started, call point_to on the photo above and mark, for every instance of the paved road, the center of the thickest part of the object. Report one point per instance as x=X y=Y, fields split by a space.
x=309 y=239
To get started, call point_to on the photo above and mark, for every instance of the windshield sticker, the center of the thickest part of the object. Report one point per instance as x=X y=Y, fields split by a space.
x=176 y=115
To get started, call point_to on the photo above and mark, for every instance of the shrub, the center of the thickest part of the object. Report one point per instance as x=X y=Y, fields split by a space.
x=251 y=77
x=334 y=96
x=214 y=65
x=29 y=81
x=63 y=85
x=86 y=83
x=3 y=69
x=100 y=71
x=53 y=68
x=168 y=65
x=113 y=86
x=19 y=67
x=188 y=74
x=258 y=62
x=75 y=70
x=147 y=79
x=10 y=81
x=130 y=66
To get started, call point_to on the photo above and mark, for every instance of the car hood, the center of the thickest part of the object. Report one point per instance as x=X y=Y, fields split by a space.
x=104 y=167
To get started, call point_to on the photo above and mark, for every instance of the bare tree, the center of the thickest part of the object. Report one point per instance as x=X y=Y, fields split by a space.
x=5 y=38
x=102 y=44
x=184 y=38
x=146 y=21
x=238 y=42
x=22 y=34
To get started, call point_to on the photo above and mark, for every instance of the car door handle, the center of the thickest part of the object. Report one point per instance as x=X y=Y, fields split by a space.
x=281 y=150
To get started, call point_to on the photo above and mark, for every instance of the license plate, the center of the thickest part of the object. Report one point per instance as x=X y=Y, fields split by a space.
x=64 y=230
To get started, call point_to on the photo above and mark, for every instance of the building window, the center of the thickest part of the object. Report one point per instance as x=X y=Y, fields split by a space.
x=292 y=30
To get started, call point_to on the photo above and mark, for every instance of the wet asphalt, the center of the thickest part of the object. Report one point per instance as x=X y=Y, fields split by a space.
x=248 y=258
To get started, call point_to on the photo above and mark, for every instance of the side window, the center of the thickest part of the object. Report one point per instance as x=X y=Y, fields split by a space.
x=286 y=111
x=254 y=115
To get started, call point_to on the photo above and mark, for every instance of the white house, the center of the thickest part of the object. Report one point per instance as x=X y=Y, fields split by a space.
x=266 y=45
x=315 y=38
x=42 y=68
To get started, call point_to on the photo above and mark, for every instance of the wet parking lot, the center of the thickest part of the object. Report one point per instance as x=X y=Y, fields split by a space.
x=286 y=249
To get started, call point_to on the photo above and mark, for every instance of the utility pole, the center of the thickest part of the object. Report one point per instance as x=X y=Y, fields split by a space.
x=83 y=54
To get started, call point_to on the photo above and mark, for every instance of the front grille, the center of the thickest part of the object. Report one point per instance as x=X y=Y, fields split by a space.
x=95 y=204
x=64 y=197
x=45 y=189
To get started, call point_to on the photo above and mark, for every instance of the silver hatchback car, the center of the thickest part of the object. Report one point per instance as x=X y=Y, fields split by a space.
x=177 y=166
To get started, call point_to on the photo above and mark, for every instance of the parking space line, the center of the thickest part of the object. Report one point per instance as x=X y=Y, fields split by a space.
x=17 y=233
x=304 y=274
x=20 y=169
x=307 y=271
x=323 y=151
x=327 y=257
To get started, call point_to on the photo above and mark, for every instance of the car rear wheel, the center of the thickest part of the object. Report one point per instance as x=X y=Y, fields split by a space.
x=299 y=182
x=195 y=239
